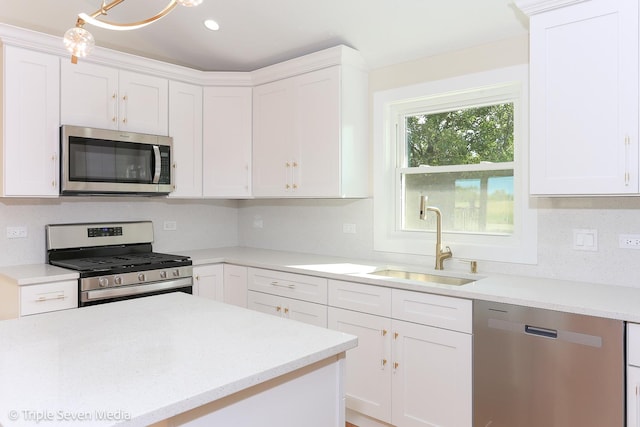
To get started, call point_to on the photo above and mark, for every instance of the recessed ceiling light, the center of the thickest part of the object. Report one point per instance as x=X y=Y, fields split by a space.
x=212 y=25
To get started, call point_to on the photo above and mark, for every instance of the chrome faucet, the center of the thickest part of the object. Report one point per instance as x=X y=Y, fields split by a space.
x=441 y=255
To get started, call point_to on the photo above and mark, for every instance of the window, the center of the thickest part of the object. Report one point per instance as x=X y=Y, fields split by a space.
x=475 y=194
x=463 y=143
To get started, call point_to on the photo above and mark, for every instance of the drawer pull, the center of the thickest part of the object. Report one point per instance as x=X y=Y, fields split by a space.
x=43 y=298
x=280 y=285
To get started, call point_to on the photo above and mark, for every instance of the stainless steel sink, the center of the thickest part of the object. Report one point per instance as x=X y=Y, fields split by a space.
x=424 y=277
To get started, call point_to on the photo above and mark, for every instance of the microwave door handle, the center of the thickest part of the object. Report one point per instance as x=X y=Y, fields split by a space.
x=157 y=164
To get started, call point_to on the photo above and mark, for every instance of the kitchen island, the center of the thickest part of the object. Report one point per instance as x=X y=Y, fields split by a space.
x=166 y=360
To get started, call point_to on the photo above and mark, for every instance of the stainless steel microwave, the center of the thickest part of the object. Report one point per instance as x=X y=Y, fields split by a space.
x=101 y=161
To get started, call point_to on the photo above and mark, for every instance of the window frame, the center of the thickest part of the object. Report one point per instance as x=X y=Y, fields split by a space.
x=508 y=84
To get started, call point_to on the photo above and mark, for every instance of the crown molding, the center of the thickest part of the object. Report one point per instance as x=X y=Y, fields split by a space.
x=532 y=7
x=46 y=43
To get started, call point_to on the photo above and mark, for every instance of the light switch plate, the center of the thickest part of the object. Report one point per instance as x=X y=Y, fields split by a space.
x=585 y=240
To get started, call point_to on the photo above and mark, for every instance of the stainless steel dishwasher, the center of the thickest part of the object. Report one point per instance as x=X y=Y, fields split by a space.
x=535 y=367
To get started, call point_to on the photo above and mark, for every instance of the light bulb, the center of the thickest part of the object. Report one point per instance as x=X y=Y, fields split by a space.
x=189 y=3
x=212 y=25
x=79 y=41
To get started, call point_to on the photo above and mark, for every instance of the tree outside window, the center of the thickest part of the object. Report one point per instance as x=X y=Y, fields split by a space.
x=463 y=161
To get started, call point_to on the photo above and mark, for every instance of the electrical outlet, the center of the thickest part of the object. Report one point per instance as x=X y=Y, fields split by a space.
x=629 y=241
x=17 y=232
x=170 y=226
x=349 y=228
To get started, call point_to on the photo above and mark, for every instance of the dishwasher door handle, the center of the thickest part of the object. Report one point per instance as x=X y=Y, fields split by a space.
x=542 y=332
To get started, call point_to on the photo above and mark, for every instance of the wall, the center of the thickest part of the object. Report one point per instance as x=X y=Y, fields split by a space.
x=316 y=226
x=200 y=224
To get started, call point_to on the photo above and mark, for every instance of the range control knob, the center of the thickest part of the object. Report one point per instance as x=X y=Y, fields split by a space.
x=163 y=274
x=142 y=277
x=103 y=282
x=176 y=273
x=117 y=280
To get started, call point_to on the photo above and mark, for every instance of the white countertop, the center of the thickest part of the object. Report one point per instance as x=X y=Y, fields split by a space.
x=147 y=359
x=31 y=274
x=613 y=302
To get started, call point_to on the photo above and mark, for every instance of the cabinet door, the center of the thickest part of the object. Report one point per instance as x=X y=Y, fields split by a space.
x=306 y=312
x=633 y=396
x=302 y=311
x=144 y=103
x=264 y=303
x=235 y=285
x=185 y=126
x=227 y=142
x=208 y=281
x=272 y=139
x=31 y=115
x=584 y=99
x=317 y=133
x=432 y=376
x=368 y=366
x=89 y=95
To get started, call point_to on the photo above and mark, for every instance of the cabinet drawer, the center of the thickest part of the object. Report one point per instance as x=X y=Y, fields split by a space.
x=48 y=297
x=299 y=286
x=633 y=344
x=360 y=297
x=302 y=311
x=432 y=310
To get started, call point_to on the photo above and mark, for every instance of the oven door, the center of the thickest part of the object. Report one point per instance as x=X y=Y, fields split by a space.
x=101 y=296
x=98 y=161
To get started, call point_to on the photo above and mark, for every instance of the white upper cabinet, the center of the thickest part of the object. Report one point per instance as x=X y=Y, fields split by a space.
x=226 y=152
x=30 y=123
x=310 y=135
x=584 y=97
x=185 y=127
x=97 y=96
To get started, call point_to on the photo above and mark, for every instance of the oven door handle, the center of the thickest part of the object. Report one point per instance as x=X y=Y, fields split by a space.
x=99 y=294
x=157 y=164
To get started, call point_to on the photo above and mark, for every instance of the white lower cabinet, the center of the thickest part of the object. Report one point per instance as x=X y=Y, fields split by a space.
x=432 y=376
x=403 y=372
x=368 y=366
x=289 y=308
x=293 y=296
x=221 y=282
x=25 y=300
x=633 y=375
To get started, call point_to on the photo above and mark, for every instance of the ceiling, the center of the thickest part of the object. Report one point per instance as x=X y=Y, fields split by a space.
x=257 y=33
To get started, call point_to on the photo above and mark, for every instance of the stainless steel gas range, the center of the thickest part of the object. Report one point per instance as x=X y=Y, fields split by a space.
x=115 y=261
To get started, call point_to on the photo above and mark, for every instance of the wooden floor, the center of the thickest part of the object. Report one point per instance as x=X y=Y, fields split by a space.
x=350 y=425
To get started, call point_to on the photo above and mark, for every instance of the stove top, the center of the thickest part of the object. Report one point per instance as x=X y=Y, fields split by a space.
x=107 y=248
x=122 y=263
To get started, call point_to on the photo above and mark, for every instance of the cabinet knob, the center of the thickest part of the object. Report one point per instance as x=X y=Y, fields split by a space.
x=395 y=335
x=286 y=310
x=287 y=186
x=384 y=362
x=114 y=95
x=124 y=120
x=395 y=365
x=384 y=332
x=278 y=309
x=295 y=186
x=287 y=165
x=295 y=164
x=113 y=119
x=197 y=277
